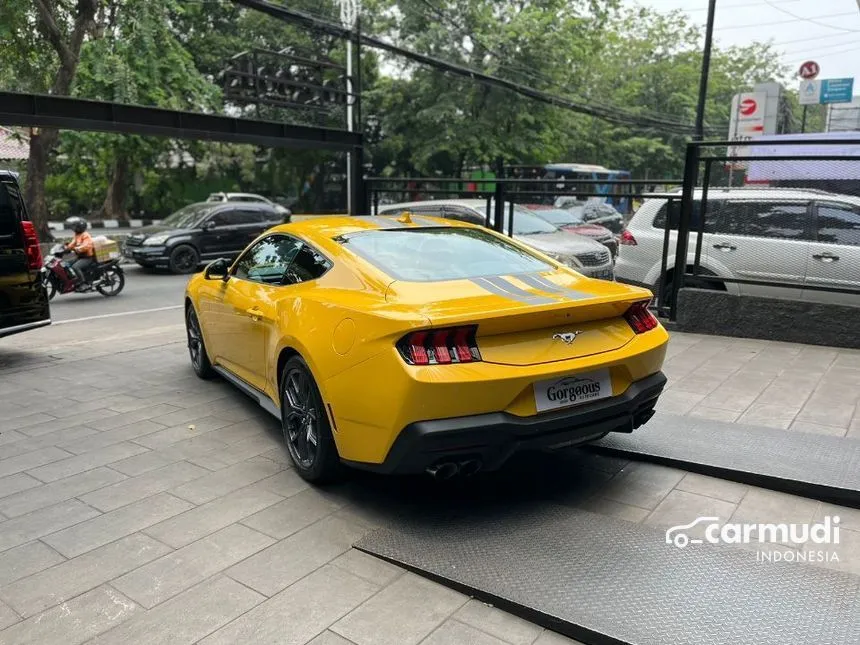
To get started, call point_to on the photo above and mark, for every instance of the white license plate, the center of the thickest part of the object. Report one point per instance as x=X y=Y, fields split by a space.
x=576 y=389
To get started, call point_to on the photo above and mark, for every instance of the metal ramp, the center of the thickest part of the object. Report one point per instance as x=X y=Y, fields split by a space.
x=605 y=581
x=811 y=465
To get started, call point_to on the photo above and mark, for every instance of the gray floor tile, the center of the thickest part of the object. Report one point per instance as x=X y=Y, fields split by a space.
x=380 y=620
x=137 y=488
x=31 y=460
x=161 y=579
x=73 y=622
x=330 y=638
x=26 y=560
x=208 y=518
x=366 y=566
x=87 y=461
x=111 y=437
x=713 y=487
x=679 y=508
x=50 y=587
x=284 y=563
x=293 y=514
x=715 y=414
x=144 y=463
x=643 y=485
x=7 y=617
x=58 y=491
x=221 y=482
x=186 y=618
x=817 y=428
x=499 y=623
x=127 y=418
x=170 y=435
x=598 y=504
x=111 y=526
x=42 y=522
x=453 y=632
x=16 y=483
x=308 y=607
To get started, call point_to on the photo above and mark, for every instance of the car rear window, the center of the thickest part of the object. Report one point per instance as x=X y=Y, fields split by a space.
x=441 y=253
x=10 y=215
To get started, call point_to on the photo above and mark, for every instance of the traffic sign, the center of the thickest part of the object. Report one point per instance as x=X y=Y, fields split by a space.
x=809 y=70
x=748 y=107
x=810 y=92
x=837 y=90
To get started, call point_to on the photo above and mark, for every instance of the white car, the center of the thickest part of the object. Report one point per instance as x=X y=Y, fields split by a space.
x=793 y=237
x=580 y=253
x=248 y=197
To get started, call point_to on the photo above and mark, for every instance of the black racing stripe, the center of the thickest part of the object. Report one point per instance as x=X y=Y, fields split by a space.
x=537 y=281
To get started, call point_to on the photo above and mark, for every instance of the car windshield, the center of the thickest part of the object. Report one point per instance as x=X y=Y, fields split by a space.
x=527 y=223
x=561 y=217
x=189 y=216
x=438 y=254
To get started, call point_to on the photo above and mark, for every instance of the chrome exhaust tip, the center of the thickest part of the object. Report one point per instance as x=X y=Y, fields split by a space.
x=470 y=467
x=443 y=471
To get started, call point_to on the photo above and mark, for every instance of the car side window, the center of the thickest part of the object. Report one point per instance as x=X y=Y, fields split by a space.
x=769 y=219
x=839 y=224
x=673 y=208
x=308 y=264
x=268 y=259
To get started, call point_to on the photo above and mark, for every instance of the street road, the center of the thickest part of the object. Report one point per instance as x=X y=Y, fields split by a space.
x=144 y=290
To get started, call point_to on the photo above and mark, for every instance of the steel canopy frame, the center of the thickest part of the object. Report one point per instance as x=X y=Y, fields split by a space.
x=101 y=116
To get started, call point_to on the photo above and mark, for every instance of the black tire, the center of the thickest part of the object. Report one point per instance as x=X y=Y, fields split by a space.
x=196 y=346
x=305 y=425
x=50 y=287
x=184 y=259
x=113 y=281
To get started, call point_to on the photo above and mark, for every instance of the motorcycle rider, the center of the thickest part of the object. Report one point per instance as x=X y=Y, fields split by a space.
x=83 y=247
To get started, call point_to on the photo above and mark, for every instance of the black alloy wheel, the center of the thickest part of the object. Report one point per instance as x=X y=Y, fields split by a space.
x=306 y=427
x=184 y=259
x=196 y=348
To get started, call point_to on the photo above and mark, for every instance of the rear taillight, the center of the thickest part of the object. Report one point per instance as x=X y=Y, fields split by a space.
x=31 y=246
x=440 y=346
x=640 y=318
x=627 y=238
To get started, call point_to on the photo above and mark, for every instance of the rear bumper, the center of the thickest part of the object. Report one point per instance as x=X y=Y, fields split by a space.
x=493 y=438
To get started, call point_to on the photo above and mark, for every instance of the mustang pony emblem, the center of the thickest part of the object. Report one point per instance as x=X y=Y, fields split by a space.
x=567 y=337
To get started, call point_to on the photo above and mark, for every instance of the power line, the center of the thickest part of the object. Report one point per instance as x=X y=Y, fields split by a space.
x=841 y=51
x=322 y=26
x=785 y=22
x=811 y=20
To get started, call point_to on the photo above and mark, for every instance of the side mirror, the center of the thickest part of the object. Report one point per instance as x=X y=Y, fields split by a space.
x=218 y=270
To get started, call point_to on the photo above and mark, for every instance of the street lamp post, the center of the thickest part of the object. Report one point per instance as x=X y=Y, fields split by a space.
x=348 y=17
x=706 y=66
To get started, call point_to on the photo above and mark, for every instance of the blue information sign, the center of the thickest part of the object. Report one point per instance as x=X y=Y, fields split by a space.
x=837 y=90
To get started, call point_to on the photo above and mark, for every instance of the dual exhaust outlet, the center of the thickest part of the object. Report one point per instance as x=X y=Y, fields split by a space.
x=448 y=469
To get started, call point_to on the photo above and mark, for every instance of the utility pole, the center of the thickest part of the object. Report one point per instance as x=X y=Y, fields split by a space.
x=348 y=17
x=706 y=66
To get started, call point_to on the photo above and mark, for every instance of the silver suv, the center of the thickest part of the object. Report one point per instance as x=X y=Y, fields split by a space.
x=580 y=253
x=790 y=236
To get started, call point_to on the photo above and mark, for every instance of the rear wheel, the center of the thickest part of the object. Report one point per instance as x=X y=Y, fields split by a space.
x=306 y=427
x=184 y=259
x=112 y=282
x=196 y=347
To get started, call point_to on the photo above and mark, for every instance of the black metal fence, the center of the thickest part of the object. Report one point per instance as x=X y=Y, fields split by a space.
x=774 y=218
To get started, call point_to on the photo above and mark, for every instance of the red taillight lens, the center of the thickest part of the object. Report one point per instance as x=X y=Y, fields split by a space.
x=640 y=318
x=440 y=346
x=31 y=246
x=627 y=238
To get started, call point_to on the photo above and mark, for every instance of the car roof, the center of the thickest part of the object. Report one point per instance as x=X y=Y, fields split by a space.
x=774 y=193
x=333 y=226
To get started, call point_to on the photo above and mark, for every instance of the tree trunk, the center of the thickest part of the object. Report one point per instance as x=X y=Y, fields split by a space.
x=41 y=143
x=114 y=205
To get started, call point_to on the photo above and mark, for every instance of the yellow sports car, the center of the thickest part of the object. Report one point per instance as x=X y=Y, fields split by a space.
x=418 y=344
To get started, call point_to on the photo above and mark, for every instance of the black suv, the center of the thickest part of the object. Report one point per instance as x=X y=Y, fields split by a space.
x=23 y=300
x=199 y=232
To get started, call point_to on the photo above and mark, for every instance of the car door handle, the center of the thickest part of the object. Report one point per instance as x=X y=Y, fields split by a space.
x=826 y=257
x=725 y=247
x=256 y=313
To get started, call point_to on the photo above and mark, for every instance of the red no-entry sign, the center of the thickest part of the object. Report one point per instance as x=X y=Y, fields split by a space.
x=809 y=70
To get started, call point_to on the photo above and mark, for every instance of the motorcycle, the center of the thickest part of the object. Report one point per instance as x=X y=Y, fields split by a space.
x=107 y=278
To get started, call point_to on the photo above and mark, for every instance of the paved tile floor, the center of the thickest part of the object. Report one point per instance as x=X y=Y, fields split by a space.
x=139 y=504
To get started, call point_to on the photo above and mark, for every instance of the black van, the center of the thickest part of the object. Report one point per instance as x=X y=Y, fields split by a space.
x=23 y=301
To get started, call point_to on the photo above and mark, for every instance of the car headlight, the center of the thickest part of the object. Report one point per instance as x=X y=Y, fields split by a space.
x=567 y=260
x=155 y=240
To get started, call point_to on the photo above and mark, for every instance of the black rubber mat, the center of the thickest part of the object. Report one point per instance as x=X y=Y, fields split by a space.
x=812 y=465
x=606 y=581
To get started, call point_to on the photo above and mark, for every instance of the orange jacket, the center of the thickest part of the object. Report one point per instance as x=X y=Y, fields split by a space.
x=82 y=244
